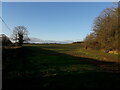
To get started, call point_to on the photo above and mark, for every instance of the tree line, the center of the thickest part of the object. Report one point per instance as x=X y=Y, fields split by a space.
x=105 y=31
x=19 y=36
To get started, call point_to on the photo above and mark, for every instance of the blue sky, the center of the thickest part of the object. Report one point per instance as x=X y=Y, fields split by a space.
x=53 y=21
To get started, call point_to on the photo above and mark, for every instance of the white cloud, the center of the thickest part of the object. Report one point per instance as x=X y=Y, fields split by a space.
x=37 y=40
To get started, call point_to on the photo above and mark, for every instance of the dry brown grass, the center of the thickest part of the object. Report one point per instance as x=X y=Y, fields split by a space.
x=113 y=52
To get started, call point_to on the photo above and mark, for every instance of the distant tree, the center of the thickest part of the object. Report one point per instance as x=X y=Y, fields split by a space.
x=5 y=40
x=20 y=34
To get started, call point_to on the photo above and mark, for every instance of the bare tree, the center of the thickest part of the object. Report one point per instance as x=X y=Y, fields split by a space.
x=20 y=34
x=105 y=30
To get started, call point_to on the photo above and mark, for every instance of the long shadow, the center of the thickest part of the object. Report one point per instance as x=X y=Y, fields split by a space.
x=28 y=68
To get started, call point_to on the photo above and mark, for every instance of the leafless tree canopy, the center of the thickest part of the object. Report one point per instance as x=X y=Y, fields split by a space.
x=106 y=31
x=20 y=34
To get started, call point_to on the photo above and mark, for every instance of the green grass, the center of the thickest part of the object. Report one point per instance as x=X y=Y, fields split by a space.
x=78 y=50
x=57 y=66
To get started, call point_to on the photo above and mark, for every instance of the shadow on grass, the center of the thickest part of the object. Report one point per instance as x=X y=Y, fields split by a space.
x=34 y=67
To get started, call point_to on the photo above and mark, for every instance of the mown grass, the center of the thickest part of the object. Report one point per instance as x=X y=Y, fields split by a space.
x=78 y=50
x=56 y=66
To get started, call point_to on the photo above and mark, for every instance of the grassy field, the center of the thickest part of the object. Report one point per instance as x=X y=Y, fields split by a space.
x=59 y=66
